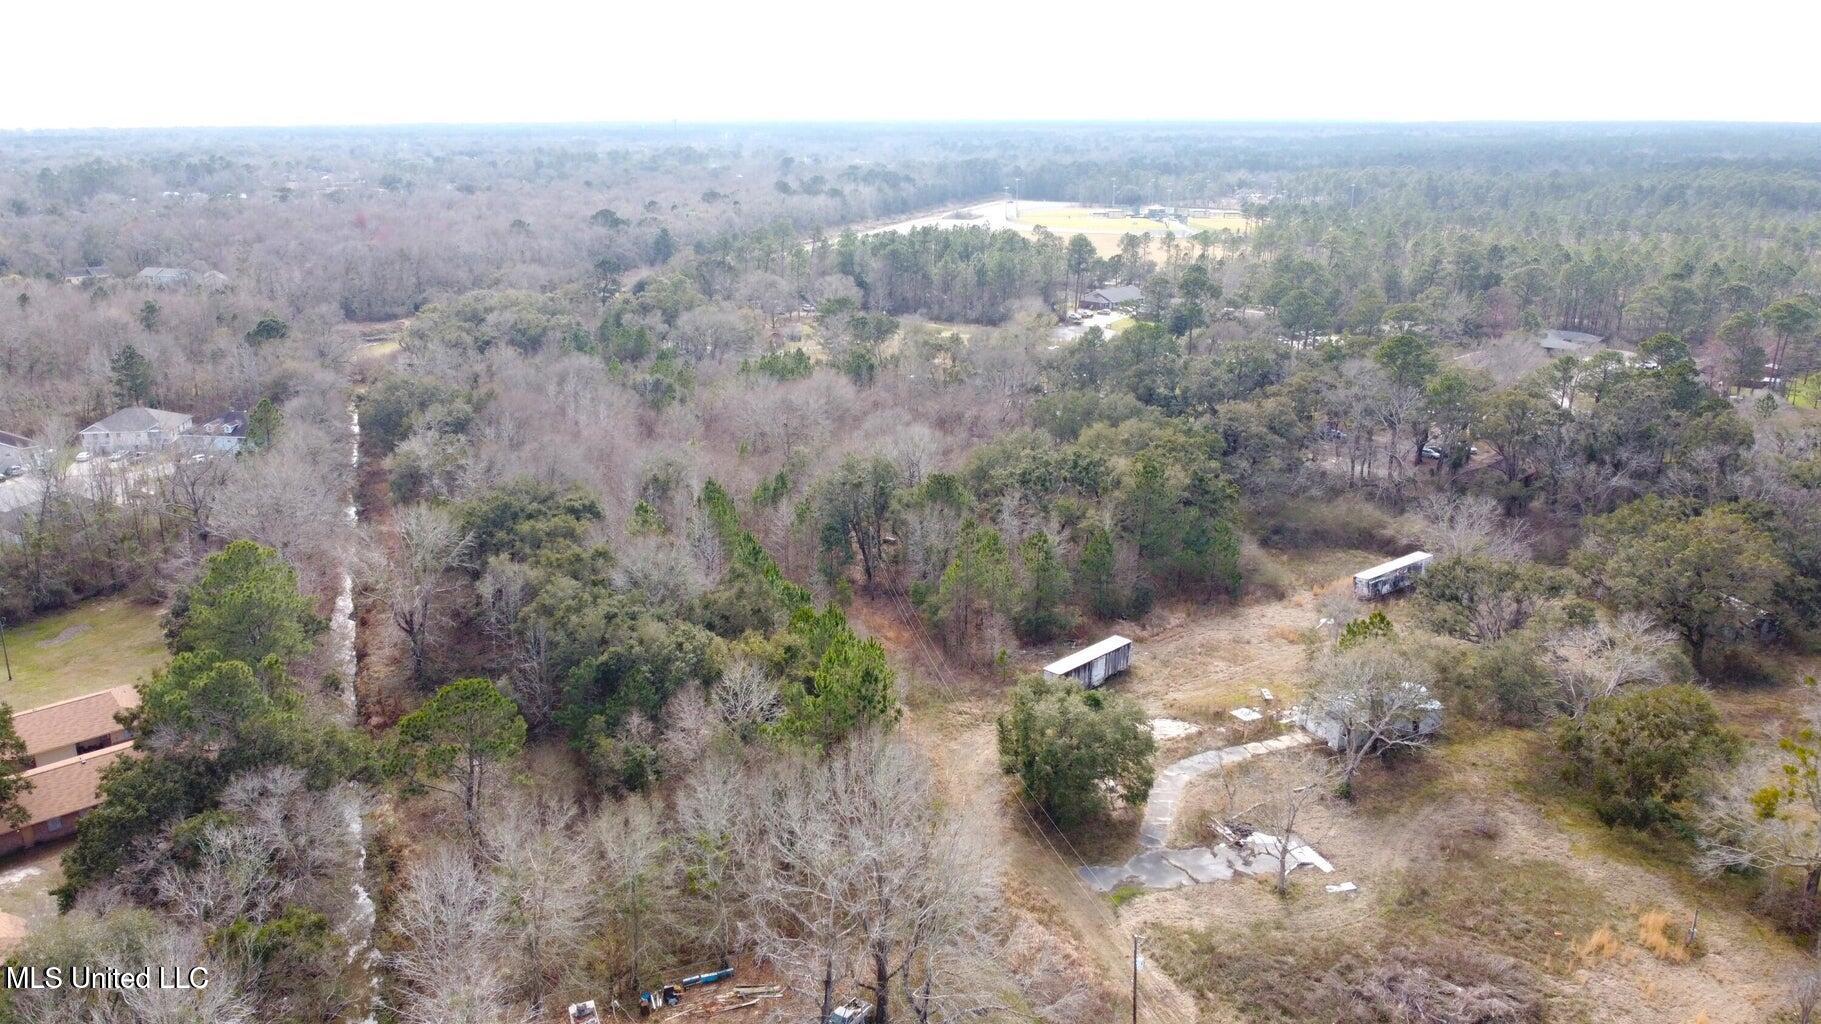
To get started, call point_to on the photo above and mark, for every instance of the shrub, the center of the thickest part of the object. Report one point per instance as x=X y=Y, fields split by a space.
x=1069 y=746
x=1644 y=755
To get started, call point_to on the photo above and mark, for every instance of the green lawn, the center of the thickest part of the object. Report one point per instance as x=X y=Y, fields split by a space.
x=102 y=643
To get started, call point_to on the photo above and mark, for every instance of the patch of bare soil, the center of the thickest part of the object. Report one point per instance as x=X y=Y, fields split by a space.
x=65 y=635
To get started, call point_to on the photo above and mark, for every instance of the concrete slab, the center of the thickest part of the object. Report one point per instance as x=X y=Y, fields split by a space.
x=1103 y=878
x=1201 y=864
x=1154 y=871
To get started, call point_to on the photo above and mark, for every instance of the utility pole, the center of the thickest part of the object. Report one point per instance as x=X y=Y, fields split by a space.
x=1134 y=979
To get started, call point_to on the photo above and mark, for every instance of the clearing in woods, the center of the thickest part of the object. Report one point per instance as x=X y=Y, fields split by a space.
x=1465 y=848
x=105 y=642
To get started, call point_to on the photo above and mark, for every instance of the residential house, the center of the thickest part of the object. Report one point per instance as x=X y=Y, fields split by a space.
x=83 y=275
x=19 y=450
x=1109 y=297
x=165 y=277
x=71 y=728
x=225 y=432
x=136 y=429
x=1570 y=343
x=61 y=794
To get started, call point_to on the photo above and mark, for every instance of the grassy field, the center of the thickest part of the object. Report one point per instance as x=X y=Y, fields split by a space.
x=1085 y=221
x=103 y=643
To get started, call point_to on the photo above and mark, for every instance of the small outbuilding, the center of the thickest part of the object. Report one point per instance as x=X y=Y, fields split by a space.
x=1091 y=666
x=1390 y=577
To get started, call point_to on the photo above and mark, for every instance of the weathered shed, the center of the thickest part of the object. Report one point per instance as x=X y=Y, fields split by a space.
x=1388 y=577
x=1348 y=723
x=1091 y=666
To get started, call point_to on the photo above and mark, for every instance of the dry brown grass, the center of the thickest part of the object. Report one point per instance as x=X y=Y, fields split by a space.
x=1288 y=634
x=1664 y=937
x=1603 y=944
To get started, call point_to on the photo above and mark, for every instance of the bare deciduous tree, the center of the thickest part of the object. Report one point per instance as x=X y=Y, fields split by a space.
x=1594 y=661
x=1372 y=698
x=539 y=872
x=1281 y=789
x=746 y=698
x=431 y=546
x=1469 y=524
x=450 y=923
x=1805 y=992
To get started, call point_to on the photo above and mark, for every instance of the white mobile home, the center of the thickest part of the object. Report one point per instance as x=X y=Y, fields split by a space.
x=1091 y=666
x=1391 y=576
x=1353 y=720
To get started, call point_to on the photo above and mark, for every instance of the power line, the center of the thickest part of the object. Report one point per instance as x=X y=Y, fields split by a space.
x=927 y=651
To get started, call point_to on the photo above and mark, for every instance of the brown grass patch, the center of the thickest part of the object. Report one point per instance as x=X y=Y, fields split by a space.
x=1664 y=937
x=1603 y=944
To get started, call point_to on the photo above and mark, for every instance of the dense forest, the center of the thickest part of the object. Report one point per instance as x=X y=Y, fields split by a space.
x=706 y=529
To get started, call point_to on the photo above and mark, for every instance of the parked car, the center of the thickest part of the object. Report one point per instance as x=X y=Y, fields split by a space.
x=84 y=456
x=1432 y=452
x=118 y=456
x=11 y=471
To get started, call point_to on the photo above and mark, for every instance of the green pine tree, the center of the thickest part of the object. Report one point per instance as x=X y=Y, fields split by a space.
x=1041 y=613
x=263 y=424
x=853 y=688
x=132 y=377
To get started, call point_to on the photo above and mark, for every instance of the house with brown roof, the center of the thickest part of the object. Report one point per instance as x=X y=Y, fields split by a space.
x=61 y=794
x=71 y=728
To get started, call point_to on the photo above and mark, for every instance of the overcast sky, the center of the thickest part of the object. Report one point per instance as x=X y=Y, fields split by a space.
x=205 y=62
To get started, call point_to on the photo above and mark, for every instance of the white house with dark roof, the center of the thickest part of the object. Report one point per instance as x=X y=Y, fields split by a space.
x=136 y=429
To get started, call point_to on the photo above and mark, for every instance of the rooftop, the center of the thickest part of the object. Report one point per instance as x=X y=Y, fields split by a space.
x=13 y=440
x=232 y=423
x=1394 y=565
x=68 y=786
x=139 y=417
x=70 y=721
x=1065 y=665
x=1119 y=293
